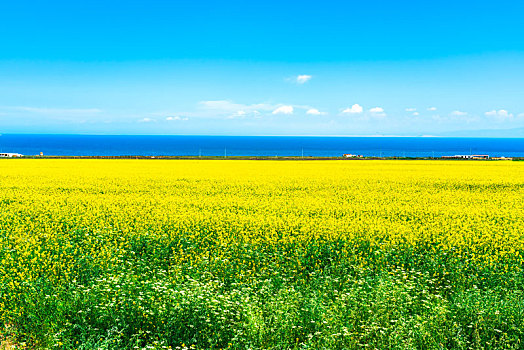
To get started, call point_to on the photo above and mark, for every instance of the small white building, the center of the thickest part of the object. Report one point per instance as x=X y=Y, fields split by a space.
x=10 y=155
x=468 y=156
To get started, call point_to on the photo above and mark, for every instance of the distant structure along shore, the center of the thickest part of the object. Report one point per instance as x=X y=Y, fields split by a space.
x=345 y=155
x=10 y=155
x=475 y=156
x=467 y=156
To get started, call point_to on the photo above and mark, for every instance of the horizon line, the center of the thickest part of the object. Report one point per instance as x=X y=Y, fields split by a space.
x=289 y=135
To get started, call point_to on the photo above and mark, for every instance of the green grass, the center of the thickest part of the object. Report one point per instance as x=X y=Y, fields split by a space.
x=258 y=297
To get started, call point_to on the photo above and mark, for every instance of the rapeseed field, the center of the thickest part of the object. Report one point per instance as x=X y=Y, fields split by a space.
x=244 y=254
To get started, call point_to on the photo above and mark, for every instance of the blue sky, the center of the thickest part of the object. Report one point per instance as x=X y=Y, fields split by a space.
x=262 y=67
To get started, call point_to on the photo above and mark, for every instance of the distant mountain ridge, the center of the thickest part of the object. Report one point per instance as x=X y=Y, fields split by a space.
x=495 y=133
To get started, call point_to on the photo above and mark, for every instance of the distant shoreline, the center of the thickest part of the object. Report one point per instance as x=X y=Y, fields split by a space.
x=257 y=147
x=282 y=158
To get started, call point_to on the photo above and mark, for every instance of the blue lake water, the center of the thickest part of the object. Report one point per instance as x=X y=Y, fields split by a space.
x=103 y=145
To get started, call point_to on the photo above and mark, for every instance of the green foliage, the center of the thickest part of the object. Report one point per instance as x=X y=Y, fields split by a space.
x=330 y=302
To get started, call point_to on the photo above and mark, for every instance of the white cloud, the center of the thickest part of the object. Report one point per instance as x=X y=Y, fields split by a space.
x=146 y=120
x=501 y=114
x=458 y=113
x=355 y=109
x=219 y=104
x=302 y=79
x=231 y=107
x=240 y=114
x=416 y=113
x=377 y=110
x=411 y=109
x=314 y=111
x=284 y=110
x=176 y=118
x=230 y=110
x=432 y=109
